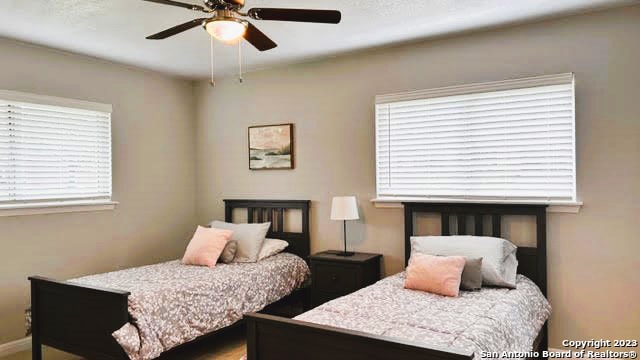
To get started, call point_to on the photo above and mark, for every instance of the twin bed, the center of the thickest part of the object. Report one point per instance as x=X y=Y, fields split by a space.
x=142 y=312
x=159 y=307
x=386 y=321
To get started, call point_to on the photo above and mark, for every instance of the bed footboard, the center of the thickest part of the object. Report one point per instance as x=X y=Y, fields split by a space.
x=76 y=319
x=275 y=338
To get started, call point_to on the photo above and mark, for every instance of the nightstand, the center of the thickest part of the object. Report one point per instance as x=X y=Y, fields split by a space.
x=333 y=276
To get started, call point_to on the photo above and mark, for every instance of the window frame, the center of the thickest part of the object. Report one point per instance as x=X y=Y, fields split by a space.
x=45 y=206
x=569 y=205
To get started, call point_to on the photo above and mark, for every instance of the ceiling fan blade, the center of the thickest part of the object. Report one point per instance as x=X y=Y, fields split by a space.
x=300 y=15
x=179 y=4
x=258 y=39
x=176 y=29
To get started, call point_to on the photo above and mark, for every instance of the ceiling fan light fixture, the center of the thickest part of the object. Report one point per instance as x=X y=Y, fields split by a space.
x=226 y=29
x=226 y=20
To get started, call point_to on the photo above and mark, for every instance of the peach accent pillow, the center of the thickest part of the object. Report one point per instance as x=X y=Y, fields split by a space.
x=435 y=274
x=205 y=246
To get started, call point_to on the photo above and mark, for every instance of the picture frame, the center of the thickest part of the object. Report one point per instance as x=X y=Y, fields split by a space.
x=271 y=147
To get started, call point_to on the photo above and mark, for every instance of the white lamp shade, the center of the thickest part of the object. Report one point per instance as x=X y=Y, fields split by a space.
x=344 y=208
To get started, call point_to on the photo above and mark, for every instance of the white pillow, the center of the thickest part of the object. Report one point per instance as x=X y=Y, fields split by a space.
x=499 y=263
x=250 y=238
x=271 y=247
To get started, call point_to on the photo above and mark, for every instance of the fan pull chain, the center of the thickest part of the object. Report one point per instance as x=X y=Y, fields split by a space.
x=240 y=79
x=212 y=82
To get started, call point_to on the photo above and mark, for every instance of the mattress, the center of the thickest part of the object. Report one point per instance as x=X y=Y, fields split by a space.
x=492 y=319
x=171 y=304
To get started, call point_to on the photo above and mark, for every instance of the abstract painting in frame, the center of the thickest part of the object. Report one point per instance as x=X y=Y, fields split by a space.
x=271 y=147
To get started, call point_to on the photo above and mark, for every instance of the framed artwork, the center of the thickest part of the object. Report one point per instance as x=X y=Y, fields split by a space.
x=271 y=147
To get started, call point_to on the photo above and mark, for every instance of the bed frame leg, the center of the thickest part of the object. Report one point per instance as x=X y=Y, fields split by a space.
x=544 y=343
x=36 y=345
x=36 y=349
x=306 y=300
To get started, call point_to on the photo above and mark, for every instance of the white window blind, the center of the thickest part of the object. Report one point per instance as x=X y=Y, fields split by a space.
x=511 y=140
x=52 y=153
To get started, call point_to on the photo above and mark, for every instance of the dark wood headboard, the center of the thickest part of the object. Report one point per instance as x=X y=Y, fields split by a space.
x=273 y=211
x=532 y=261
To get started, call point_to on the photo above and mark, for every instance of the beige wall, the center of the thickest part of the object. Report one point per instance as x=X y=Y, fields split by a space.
x=593 y=255
x=153 y=176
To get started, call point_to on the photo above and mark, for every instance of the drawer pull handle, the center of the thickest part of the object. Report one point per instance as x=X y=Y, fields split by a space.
x=334 y=278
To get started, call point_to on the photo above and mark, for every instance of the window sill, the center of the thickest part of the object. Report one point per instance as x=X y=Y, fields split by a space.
x=572 y=207
x=56 y=207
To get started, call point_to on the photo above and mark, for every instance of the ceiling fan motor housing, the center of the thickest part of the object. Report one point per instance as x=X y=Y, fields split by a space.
x=223 y=15
x=238 y=3
x=220 y=4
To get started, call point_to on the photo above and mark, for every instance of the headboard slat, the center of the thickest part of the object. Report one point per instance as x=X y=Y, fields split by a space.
x=496 y=225
x=250 y=212
x=444 y=224
x=462 y=224
x=532 y=261
x=281 y=219
x=270 y=217
x=299 y=243
x=478 y=227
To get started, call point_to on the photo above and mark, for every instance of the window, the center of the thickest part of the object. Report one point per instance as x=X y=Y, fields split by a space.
x=504 y=141
x=53 y=150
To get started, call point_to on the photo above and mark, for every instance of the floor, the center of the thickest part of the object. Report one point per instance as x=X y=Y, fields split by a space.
x=228 y=346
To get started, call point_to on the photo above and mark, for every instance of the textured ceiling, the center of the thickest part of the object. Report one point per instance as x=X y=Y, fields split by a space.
x=116 y=29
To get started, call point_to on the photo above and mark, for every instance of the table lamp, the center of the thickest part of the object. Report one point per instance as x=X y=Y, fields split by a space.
x=344 y=208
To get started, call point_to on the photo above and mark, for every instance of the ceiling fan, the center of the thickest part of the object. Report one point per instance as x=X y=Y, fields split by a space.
x=226 y=23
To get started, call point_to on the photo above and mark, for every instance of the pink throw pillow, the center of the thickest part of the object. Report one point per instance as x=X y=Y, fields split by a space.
x=435 y=274
x=205 y=246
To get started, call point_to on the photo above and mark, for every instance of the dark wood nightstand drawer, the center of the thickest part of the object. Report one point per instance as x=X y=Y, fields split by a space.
x=333 y=276
x=339 y=279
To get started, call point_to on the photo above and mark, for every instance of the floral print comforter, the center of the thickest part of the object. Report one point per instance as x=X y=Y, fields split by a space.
x=492 y=319
x=171 y=304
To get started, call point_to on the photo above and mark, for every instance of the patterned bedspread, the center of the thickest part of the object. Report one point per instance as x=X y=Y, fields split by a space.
x=491 y=319
x=171 y=303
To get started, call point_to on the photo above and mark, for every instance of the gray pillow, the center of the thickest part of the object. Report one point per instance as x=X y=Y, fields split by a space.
x=472 y=274
x=250 y=238
x=229 y=252
x=272 y=247
x=499 y=263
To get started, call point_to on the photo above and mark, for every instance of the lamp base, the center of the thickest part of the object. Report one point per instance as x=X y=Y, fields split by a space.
x=344 y=253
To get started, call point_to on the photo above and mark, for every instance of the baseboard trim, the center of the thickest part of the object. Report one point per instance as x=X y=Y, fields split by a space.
x=16 y=346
